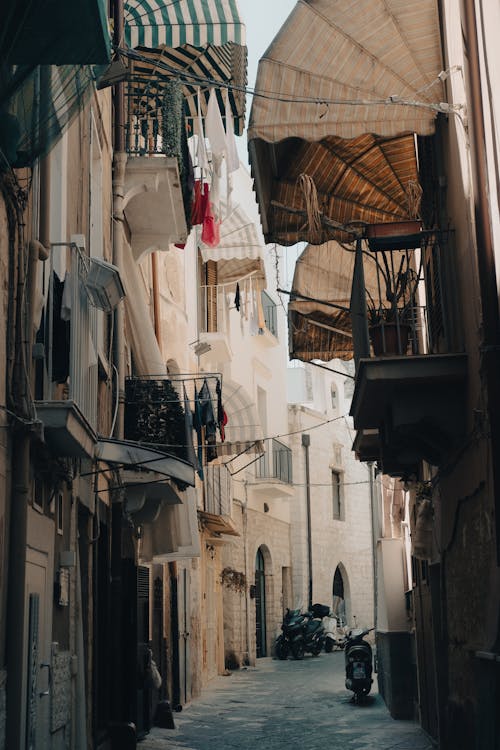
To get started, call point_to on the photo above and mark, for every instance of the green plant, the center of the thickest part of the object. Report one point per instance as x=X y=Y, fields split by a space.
x=398 y=283
x=234 y=580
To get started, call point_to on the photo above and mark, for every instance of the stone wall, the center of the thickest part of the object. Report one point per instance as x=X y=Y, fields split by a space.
x=257 y=531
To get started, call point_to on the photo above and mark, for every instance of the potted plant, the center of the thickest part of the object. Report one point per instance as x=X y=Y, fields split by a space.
x=391 y=315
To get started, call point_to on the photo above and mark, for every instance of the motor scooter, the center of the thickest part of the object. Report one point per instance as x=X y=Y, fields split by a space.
x=358 y=663
x=313 y=634
x=292 y=632
x=335 y=633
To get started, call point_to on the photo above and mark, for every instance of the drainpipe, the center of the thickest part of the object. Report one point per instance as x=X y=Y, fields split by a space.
x=490 y=348
x=306 y=442
x=119 y=163
x=118 y=709
x=18 y=522
x=156 y=298
x=374 y=515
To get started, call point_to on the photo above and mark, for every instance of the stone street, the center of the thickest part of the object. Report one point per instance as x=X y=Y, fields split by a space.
x=286 y=704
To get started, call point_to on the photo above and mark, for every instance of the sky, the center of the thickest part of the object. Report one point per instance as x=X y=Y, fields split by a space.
x=263 y=19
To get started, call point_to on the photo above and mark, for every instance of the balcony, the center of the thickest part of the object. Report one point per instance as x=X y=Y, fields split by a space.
x=410 y=380
x=213 y=322
x=273 y=470
x=154 y=176
x=216 y=513
x=66 y=364
x=269 y=334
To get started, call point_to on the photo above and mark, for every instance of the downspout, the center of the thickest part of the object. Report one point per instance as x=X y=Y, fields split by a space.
x=156 y=298
x=306 y=442
x=490 y=349
x=118 y=669
x=374 y=516
x=18 y=532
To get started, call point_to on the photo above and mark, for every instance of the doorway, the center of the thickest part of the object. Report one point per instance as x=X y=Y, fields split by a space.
x=260 y=605
x=38 y=673
x=339 y=597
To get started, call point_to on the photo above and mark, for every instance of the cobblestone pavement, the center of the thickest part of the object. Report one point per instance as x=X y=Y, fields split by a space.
x=286 y=704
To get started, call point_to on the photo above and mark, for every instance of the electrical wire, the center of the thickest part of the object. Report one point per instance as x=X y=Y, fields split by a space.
x=192 y=79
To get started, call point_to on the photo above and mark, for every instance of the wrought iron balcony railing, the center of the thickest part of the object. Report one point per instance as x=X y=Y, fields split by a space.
x=276 y=463
x=397 y=301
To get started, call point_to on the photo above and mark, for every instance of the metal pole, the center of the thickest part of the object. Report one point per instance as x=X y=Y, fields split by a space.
x=306 y=442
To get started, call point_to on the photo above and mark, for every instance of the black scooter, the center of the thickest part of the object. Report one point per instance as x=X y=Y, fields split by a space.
x=292 y=634
x=358 y=663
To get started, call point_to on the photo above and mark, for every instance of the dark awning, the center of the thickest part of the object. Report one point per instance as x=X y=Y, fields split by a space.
x=197 y=41
x=129 y=453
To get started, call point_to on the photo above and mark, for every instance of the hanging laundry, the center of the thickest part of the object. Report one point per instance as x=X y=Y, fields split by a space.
x=221 y=414
x=201 y=147
x=198 y=426
x=254 y=316
x=214 y=127
x=188 y=427
x=201 y=199
x=232 y=158
x=261 y=319
x=60 y=333
x=237 y=300
x=208 y=421
x=210 y=233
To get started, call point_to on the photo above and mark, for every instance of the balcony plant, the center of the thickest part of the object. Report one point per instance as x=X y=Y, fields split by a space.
x=391 y=314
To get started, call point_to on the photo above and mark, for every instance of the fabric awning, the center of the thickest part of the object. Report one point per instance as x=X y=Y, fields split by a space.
x=218 y=524
x=319 y=319
x=199 y=41
x=357 y=61
x=343 y=111
x=243 y=431
x=131 y=454
x=239 y=252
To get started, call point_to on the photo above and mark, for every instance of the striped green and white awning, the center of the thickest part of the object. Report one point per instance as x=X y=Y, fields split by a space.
x=202 y=42
x=156 y=23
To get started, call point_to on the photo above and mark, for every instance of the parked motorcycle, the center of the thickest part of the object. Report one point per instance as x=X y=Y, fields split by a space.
x=313 y=636
x=358 y=663
x=301 y=632
x=292 y=629
x=335 y=633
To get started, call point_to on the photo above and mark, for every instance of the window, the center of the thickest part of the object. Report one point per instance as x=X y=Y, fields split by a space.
x=270 y=316
x=59 y=513
x=334 y=397
x=337 y=496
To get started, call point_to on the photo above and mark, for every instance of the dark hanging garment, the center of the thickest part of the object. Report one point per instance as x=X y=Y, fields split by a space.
x=197 y=424
x=208 y=421
x=188 y=425
x=237 y=299
x=221 y=414
x=60 y=334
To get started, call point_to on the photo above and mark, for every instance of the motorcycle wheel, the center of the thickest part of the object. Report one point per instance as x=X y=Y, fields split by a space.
x=328 y=646
x=282 y=649
x=316 y=649
x=298 y=650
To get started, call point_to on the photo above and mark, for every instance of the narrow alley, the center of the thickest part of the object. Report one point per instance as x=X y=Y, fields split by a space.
x=286 y=704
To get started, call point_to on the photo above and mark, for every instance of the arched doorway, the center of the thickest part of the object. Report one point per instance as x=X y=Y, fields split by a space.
x=339 y=597
x=260 y=604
